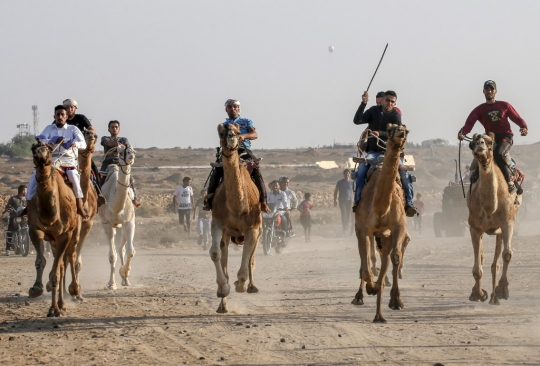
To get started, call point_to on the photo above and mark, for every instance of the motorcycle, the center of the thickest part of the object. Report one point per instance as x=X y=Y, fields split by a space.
x=17 y=234
x=274 y=235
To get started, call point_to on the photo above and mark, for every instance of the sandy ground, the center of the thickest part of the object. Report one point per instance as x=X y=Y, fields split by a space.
x=302 y=315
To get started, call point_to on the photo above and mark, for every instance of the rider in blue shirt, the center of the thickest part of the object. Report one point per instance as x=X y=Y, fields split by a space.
x=248 y=133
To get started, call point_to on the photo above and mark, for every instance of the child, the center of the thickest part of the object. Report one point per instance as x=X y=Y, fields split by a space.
x=305 y=216
x=419 y=204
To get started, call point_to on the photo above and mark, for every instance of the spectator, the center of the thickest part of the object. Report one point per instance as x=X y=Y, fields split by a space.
x=183 y=199
x=203 y=221
x=466 y=177
x=344 y=189
x=419 y=204
x=305 y=216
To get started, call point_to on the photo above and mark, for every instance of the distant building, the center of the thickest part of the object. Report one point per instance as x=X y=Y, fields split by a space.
x=435 y=142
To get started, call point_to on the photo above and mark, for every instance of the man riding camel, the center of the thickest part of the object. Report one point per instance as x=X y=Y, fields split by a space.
x=248 y=133
x=494 y=116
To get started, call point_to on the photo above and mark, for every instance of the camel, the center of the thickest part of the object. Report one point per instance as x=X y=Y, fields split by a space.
x=52 y=216
x=236 y=215
x=381 y=213
x=90 y=206
x=492 y=210
x=118 y=215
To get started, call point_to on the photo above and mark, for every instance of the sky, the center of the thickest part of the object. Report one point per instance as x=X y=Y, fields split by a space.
x=165 y=68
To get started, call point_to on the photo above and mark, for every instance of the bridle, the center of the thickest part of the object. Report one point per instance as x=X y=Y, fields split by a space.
x=227 y=148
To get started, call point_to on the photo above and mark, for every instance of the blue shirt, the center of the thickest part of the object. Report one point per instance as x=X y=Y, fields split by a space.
x=243 y=124
x=345 y=189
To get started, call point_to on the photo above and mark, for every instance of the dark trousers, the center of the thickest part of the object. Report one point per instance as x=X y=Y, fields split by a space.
x=502 y=157
x=345 y=208
x=184 y=217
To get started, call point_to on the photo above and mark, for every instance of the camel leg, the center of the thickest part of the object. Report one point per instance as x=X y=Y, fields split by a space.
x=403 y=247
x=55 y=276
x=373 y=256
x=215 y=254
x=494 y=300
x=379 y=285
x=366 y=276
x=247 y=256
x=501 y=290
x=70 y=258
x=477 y=292
x=128 y=231
x=110 y=232
x=252 y=289
x=224 y=249
x=398 y=237
x=86 y=226
x=37 y=241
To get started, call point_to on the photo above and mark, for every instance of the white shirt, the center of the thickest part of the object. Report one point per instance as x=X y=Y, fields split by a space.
x=184 y=197
x=280 y=200
x=291 y=197
x=68 y=157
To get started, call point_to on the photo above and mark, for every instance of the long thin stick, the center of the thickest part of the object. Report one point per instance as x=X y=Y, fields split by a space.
x=373 y=77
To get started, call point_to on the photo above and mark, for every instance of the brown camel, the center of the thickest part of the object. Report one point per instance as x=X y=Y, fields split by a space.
x=381 y=214
x=52 y=216
x=236 y=215
x=492 y=210
x=89 y=204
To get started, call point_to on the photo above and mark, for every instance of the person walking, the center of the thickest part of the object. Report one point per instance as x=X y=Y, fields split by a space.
x=183 y=199
x=343 y=193
x=417 y=219
x=305 y=216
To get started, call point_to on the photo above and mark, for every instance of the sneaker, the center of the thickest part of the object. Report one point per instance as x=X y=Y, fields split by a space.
x=199 y=240
x=290 y=234
x=354 y=207
x=136 y=203
x=410 y=210
x=7 y=252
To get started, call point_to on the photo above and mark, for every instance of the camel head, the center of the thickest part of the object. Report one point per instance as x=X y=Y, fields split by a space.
x=482 y=147
x=90 y=137
x=126 y=155
x=397 y=135
x=42 y=153
x=229 y=136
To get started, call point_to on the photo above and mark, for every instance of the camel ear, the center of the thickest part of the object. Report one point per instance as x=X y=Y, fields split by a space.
x=492 y=135
x=221 y=129
x=475 y=136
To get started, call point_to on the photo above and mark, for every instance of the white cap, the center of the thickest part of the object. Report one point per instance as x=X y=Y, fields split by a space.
x=69 y=102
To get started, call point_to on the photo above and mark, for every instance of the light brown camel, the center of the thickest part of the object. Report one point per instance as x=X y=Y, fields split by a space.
x=52 y=216
x=90 y=206
x=236 y=214
x=381 y=214
x=492 y=210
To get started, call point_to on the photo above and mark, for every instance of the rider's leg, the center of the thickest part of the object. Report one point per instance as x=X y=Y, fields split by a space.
x=360 y=182
x=135 y=199
x=259 y=182
x=409 y=192
x=103 y=171
x=31 y=189
x=502 y=158
x=213 y=183
x=75 y=179
x=95 y=182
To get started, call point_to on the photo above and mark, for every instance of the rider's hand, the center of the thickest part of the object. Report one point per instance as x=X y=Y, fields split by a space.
x=365 y=97
x=524 y=131
x=59 y=140
x=374 y=133
x=460 y=136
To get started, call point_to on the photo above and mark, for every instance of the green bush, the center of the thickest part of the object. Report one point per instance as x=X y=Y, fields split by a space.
x=18 y=147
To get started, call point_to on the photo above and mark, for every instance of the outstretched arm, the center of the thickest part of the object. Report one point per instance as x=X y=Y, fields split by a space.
x=357 y=120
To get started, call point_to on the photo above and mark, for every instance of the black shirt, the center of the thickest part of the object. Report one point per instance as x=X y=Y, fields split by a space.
x=80 y=121
x=379 y=121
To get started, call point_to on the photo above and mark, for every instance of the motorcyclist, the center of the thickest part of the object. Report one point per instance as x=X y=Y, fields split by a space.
x=14 y=206
x=281 y=203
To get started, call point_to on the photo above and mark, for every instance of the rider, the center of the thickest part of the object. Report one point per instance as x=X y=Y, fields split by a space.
x=83 y=123
x=14 y=206
x=281 y=203
x=248 y=133
x=378 y=118
x=68 y=139
x=291 y=196
x=365 y=98
x=494 y=115
x=111 y=155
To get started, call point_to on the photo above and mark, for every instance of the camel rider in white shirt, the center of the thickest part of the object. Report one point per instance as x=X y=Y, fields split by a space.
x=281 y=202
x=70 y=139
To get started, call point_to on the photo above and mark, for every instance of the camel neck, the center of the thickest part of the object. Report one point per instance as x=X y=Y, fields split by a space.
x=488 y=187
x=387 y=181
x=119 y=189
x=234 y=184
x=85 y=164
x=46 y=197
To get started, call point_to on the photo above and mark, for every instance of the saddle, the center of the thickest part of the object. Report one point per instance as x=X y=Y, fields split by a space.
x=63 y=173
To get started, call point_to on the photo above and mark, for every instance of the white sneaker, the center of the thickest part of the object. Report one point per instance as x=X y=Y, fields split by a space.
x=7 y=252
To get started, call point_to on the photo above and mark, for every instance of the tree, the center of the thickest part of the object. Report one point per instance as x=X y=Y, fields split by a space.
x=20 y=146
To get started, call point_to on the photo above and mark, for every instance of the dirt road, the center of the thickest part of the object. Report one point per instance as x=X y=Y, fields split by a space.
x=302 y=314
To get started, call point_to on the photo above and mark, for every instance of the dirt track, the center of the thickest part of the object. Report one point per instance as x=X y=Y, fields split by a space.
x=302 y=314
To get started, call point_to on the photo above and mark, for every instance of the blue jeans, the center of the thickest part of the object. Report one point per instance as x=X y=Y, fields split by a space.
x=203 y=227
x=362 y=173
x=407 y=186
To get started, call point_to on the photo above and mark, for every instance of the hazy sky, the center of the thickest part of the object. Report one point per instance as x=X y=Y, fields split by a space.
x=165 y=68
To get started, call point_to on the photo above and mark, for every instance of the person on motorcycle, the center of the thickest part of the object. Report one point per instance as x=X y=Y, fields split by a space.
x=14 y=206
x=378 y=118
x=111 y=156
x=291 y=196
x=248 y=133
x=280 y=201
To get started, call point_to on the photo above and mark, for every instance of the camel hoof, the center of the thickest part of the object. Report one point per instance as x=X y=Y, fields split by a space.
x=379 y=319
x=35 y=291
x=79 y=298
x=110 y=287
x=74 y=290
x=387 y=282
x=400 y=275
x=48 y=286
x=53 y=312
x=252 y=289
x=240 y=287
x=357 y=301
x=223 y=291
x=494 y=300
x=395 y=304
x=372 y=288
x=125 y=282
x=222 y=308
x=502 y=292
x=475 y=296
x=375 y=271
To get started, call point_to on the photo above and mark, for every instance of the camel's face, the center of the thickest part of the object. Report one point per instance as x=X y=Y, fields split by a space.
x=398 y=134
x=126 y=155
x=482 y=146
x=229 y=136
x=42 y=153
x=90 y=138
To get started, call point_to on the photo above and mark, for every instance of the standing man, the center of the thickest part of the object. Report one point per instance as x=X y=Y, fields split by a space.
x=14 y=206
x=111 y=156
x=494 y=116
x=69 y=139
x=378 y=118
x=183 y=199
x=248 y=133
x=82 y=123
x=291 y=196
x=344 y=189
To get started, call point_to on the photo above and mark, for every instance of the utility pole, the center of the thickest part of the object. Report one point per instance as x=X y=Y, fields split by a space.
x=36 y=119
